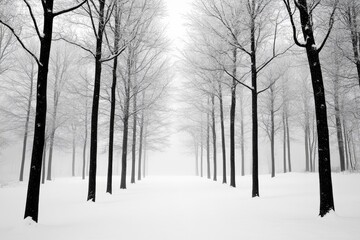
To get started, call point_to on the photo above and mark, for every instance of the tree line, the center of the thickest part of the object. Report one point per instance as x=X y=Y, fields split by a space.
x=95 y=71
x=265 y=57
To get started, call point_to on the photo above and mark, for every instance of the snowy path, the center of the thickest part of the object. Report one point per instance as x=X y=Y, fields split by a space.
x=172 y=208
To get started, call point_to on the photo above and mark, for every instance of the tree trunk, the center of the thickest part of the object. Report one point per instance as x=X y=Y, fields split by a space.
x=95 y=105
x=52 y=136
x=133 y=150
x=232 y=121
x=111 y=128
x=126 y=125
x=307 y=159
x=141 y=140
x=346 y=145
x=196 y=149
x=33 y=191
x=340 y=140
x=113 y=104
x=326 y=192
x=284 y=142
x=223 y=143
x=73 y=152
x=44 y=164
x=85 y=143
x=288 y=141
x=26 y=132
x=145 y=149
x=255 y=170
x=354 y=37
x=208 y=142
x=242 y=138
x=214 y=135
x=272 y=145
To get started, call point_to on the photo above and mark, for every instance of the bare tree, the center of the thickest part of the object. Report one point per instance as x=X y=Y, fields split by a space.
x=306 y=12
x=45 y=38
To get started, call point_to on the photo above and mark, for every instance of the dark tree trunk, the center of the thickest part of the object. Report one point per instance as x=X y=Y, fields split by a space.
x=255 y=171
x=307 y=157
x=95 y=105
x=133 y=150
x=113 y=104
x=288 y=141
x=242 y=138
x=26 y=132
x=33 y=191
x=346 y=146
x=338 y=122
x=272 y=140
x=145 y=149
x=326 y=192
x=208 y=141
x=232 y=121
x=73 y=153
x=141 y=140
x=352 y=18
x=196 y=149
x=223 y=143
x=284 y=142
x=214 y=135
x=44 y=164
x=85 y=143
x=126 y=124
x=124 y=149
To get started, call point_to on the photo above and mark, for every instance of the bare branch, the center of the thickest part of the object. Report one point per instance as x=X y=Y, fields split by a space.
x=331 y=24
x=288 y=8
x=33 y=19
x=75 y=44
x=21 y=42
x=69 y=9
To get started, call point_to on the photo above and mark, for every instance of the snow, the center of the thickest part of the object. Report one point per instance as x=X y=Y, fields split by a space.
x=185 y=208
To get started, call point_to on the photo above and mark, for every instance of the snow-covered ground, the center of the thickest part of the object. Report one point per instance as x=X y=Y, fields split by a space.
x=172 y=208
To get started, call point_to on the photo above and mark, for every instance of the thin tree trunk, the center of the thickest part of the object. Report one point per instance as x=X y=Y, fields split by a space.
x=346 y=145
x=141 y=141
x=307 y=159
x=133 y=150
x=73 y=152
x=232 y=121
x=26 y=132
x=44 y=164
x=126 y=125
x=242 y=138
x=284 y=142
x=52 y=137
x=85 y=143
x=272 y=144
x=196 y=149
x=95 y=105
x=338 y=120
x=223 y=143
x=208 y=142
x=214 y=135
x=145 y=150
x=288 y=141
x=113 y=103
